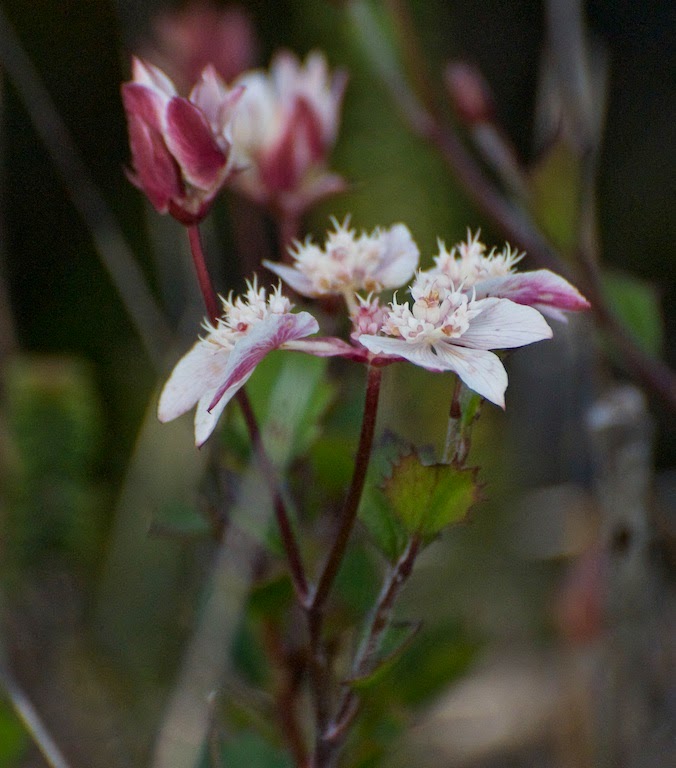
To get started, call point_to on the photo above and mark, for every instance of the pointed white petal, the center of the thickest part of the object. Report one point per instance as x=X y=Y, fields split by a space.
x=328 y=346
x=205 y=420
x=502 y=324
x=400 y=257
x=271 y=333
x=480 y=370
x=201 y=369
x=292 y=277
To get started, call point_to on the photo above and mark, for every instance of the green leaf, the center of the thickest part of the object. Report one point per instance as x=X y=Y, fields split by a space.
x=251 y=750
x=375 y=510
x=289 y=393
x=637 y=303
x=272 y=597
x=427 y=498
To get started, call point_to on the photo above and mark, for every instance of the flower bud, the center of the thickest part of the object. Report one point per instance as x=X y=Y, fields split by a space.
x=180 y=147
x=469 y=92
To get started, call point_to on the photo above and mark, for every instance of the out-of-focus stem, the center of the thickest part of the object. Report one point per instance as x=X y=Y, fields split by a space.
x=513 y=221
x=288 y=227
x=320 y=675
x=31 y=720
x=111 y=246
x=349 y=514
x=267 y=469
x=331 y=739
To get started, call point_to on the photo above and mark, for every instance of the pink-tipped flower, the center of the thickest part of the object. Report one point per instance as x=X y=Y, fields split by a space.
x=202 y=33
x=181 y=148
x=348 y=263
x=285 y=128
x=493 y=274
x=448 y=330
x=221 y=362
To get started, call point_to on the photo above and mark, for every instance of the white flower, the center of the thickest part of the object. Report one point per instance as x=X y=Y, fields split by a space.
x=447 y=329
x=493 y=275
x=221 y=362
x=349 y=263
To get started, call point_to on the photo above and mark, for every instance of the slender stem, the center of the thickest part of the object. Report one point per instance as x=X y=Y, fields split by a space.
x=454 y=435
x=31 y=720
x=109 y=241
x=320 y=675
x=283 y=521
x=332 y=737
x=203 y=276
x=351 y=506
x=286 y=530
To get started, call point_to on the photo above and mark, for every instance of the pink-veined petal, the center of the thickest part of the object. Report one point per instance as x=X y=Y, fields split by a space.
x=270 y=333
x=400 y=257
x=502 y=324
x=292 y=277
x=199 y=371
x=546 y=291
x=322 y=347
x=191 y=141
x=155 y=170
x=205 y=419
x=147 y=74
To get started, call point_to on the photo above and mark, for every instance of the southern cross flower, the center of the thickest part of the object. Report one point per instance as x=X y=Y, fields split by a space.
x=181 y=148
x=285 y=127
x=493 y=275
x=223 y=360
x=447 y=329
x=387 y=258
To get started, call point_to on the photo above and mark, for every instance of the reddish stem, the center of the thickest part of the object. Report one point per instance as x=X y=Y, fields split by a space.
x=203 y=277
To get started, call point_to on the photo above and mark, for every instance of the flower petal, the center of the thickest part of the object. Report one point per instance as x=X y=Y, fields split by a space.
x=480 y=370
x=191 y=141
x=502 y=324
x=270 y=333
x=205 y=419
x=293 y=277
x=400 y=257
x=546 y=291
x=328 y=346
x=146 y=74
x=155 y=170
x=200 y=370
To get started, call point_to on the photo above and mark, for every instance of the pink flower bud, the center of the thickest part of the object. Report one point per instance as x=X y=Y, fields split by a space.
x=469 y=92
x=285 y=128
x=180 y=147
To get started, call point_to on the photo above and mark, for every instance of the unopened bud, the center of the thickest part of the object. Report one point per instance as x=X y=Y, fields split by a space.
x=469 y=92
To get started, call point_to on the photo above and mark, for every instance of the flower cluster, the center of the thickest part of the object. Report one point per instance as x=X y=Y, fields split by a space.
x=285 y=128
x=387 y=258
x=268 y=136
x=466 y=305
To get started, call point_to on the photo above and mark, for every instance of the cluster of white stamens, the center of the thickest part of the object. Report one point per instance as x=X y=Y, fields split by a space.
x=240 y=313
x=467 y=263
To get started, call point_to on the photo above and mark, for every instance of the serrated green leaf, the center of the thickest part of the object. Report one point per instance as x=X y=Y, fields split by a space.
x=637 y=303
x=427 y=498
x=375 y=511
